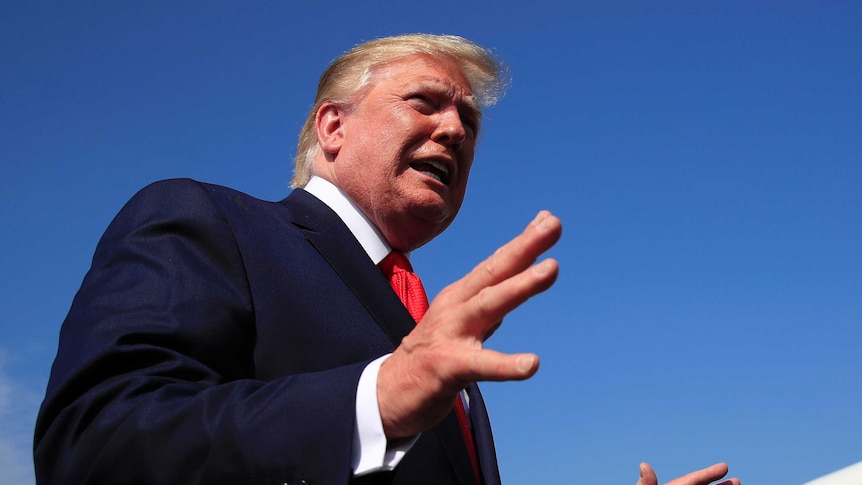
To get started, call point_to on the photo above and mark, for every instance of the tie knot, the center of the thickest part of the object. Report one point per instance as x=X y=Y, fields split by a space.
x=395 y=262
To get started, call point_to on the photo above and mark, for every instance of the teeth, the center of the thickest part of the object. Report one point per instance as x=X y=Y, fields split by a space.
x=433 y=168
x=439 y=166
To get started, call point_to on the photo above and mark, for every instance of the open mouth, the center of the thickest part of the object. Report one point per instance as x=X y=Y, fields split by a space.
x=433 y=169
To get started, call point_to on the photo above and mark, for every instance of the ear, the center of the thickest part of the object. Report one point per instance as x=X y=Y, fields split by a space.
x=329 y=122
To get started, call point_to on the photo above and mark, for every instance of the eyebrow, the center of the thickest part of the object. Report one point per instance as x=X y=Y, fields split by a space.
x=468 y=100
x=473 y=105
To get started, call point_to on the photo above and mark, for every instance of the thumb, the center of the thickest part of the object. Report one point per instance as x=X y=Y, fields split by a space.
x=647 y=475
x=490 y=365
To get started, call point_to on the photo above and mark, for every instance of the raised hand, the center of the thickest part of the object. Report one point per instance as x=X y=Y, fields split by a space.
x=701 y=477
x=418 y=384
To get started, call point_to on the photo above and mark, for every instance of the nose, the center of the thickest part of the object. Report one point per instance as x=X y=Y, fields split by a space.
x=450 y=129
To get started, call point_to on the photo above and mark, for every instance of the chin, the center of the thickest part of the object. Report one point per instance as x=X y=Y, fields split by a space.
x=416 y=233
x=435 y=214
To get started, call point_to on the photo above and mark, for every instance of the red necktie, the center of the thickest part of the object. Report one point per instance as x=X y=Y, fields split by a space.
x=409 y=289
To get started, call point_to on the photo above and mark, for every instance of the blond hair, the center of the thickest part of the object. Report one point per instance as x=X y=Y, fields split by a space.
x=349 y=74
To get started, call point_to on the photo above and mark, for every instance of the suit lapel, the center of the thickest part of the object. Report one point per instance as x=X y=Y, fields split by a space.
x=486 y=452
x=334 y=241
x=448 y=432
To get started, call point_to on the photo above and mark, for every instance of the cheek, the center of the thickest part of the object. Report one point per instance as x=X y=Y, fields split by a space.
x=465 y=167
x=397 y=122
x=388 y=146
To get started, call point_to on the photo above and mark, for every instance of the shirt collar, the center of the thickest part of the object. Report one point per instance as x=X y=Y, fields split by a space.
x=360 y=226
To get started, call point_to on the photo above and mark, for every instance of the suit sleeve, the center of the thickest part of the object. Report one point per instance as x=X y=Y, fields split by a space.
x=154 y=380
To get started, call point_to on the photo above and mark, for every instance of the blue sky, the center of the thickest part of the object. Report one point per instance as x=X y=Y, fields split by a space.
x=705 y=158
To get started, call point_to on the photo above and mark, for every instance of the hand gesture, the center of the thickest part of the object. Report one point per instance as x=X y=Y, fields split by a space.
x=418 y=384
x=700 y=477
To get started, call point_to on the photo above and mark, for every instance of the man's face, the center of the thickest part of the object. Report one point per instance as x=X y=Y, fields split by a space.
x=407 y=148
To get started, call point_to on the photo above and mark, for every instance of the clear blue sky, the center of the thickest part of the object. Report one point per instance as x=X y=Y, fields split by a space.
x=705 y=158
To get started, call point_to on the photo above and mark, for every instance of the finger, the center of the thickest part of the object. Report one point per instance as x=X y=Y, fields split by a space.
x=514 y=257
x=702 y=477
x=647 y=475
x=730 y=481
x=491 y=304
x=490 y=365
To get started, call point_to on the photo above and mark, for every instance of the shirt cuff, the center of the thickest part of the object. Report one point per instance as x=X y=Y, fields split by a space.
x=372 y=452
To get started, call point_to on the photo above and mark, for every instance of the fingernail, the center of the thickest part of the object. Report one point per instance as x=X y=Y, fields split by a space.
x=546 y=221
x=538 y=217
x=542 y=268
x=525 y=362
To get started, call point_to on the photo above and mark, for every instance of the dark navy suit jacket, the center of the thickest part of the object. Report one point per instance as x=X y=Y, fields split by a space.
x=218 y=338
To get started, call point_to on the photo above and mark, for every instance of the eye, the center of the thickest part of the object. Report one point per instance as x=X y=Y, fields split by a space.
x=471 y=125
x=423 y=103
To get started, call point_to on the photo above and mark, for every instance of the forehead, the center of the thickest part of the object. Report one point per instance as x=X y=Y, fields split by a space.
x=427 y=71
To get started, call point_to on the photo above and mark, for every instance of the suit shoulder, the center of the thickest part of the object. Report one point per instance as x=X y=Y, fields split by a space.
x=181 y=195
x=179 y=189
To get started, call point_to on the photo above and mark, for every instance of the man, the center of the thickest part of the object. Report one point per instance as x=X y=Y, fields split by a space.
x=218 y=338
